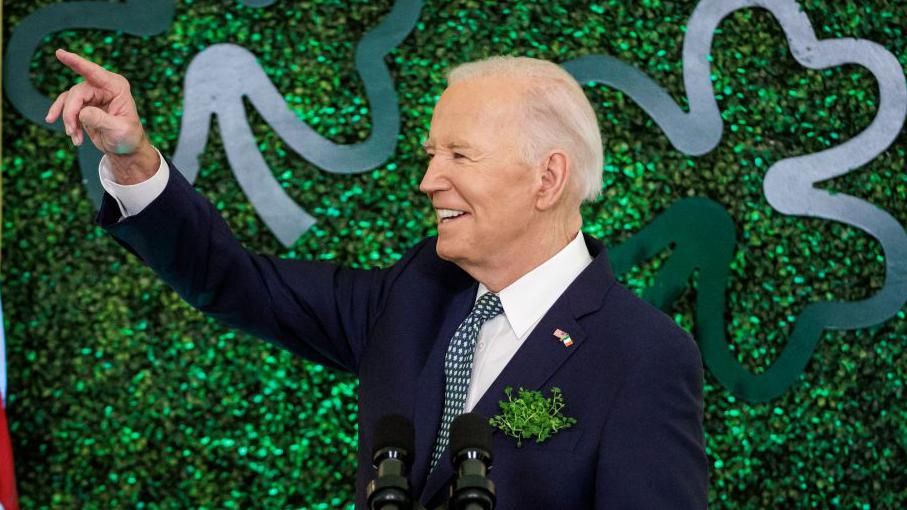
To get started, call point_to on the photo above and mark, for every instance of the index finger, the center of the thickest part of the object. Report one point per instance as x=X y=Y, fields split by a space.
x=93 y=73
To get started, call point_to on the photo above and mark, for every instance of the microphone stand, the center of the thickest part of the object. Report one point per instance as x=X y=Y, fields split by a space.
x=390 y=491
x=471 y=443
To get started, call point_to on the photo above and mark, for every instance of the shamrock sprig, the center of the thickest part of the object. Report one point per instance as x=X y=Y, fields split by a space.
x=531 y=415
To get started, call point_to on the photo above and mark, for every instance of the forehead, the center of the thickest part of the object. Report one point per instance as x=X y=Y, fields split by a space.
x=475 y=111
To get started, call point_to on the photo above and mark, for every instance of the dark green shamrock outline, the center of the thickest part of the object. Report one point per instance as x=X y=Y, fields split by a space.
x=789 y=187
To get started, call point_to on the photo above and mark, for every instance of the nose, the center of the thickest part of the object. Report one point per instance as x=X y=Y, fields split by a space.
x=434 y=179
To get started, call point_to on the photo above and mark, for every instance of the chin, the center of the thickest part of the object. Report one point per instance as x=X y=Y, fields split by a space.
x=448 y=250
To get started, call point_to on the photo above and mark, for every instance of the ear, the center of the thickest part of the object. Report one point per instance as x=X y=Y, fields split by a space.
x=555 y=177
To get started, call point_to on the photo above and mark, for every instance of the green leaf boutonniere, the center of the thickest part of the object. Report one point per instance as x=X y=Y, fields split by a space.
x=531 y=415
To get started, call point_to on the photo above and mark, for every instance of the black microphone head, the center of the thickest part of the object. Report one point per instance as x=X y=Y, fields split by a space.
x=394 y=431
x=470 y=430
x=470 y=454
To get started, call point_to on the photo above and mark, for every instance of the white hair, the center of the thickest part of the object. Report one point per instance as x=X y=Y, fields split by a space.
x=557 y=112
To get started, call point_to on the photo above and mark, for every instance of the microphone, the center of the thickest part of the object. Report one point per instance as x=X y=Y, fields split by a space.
x=470 y=446
x=394 y=442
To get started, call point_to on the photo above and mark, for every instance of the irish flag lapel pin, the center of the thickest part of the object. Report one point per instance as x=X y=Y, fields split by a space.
x=564 y=337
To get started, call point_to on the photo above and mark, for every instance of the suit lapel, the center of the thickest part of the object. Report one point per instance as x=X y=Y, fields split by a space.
x=536 y=361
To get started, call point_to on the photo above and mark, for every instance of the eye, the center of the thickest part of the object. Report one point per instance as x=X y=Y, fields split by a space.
x=457 y=155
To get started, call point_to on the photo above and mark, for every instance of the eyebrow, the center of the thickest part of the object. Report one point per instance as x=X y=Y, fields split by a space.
x=429 y=145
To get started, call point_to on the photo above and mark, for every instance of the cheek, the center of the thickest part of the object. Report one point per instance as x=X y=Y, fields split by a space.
x=504 y=195
x=514 y=199
x=507 y=212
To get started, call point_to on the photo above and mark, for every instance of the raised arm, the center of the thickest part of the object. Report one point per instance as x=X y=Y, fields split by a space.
x=315 y=310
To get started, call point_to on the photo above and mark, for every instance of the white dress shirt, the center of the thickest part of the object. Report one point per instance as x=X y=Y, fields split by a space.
x=132 y=198
x=525 y=301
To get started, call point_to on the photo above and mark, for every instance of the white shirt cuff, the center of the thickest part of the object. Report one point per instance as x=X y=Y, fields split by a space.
x=132 y=198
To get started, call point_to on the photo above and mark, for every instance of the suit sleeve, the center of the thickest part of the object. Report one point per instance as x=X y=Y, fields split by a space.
x=652 y=451
x=315 y=310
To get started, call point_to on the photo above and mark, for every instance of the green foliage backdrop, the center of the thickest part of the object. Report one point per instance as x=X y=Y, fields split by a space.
x=121 y=395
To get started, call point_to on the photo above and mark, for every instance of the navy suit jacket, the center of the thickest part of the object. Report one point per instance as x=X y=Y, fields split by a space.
x=632 y=378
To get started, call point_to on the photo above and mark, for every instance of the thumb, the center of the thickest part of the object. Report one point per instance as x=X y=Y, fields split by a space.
x=95 y=119
x=108 y=132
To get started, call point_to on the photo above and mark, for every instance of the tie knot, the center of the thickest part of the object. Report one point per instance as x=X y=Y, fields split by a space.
x=487 y=307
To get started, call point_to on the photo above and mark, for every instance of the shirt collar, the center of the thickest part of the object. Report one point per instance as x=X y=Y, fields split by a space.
x=526 y=300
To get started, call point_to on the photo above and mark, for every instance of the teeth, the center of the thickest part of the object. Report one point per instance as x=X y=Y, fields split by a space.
x=444 y=214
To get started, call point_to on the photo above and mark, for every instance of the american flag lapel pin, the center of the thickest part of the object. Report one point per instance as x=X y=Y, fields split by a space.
x=564 y=337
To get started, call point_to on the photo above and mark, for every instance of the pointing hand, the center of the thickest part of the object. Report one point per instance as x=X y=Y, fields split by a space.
x=104 y=107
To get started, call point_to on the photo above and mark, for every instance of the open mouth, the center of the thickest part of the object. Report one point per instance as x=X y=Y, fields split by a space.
x=449 y=215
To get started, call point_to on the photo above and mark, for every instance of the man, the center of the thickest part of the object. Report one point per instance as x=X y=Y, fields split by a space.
x=510 y=293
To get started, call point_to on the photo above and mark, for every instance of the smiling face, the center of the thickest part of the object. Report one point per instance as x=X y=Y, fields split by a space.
x=484 y=194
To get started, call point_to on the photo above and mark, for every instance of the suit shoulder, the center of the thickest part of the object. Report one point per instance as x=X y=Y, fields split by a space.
x=622 y=301
x=640 y=327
